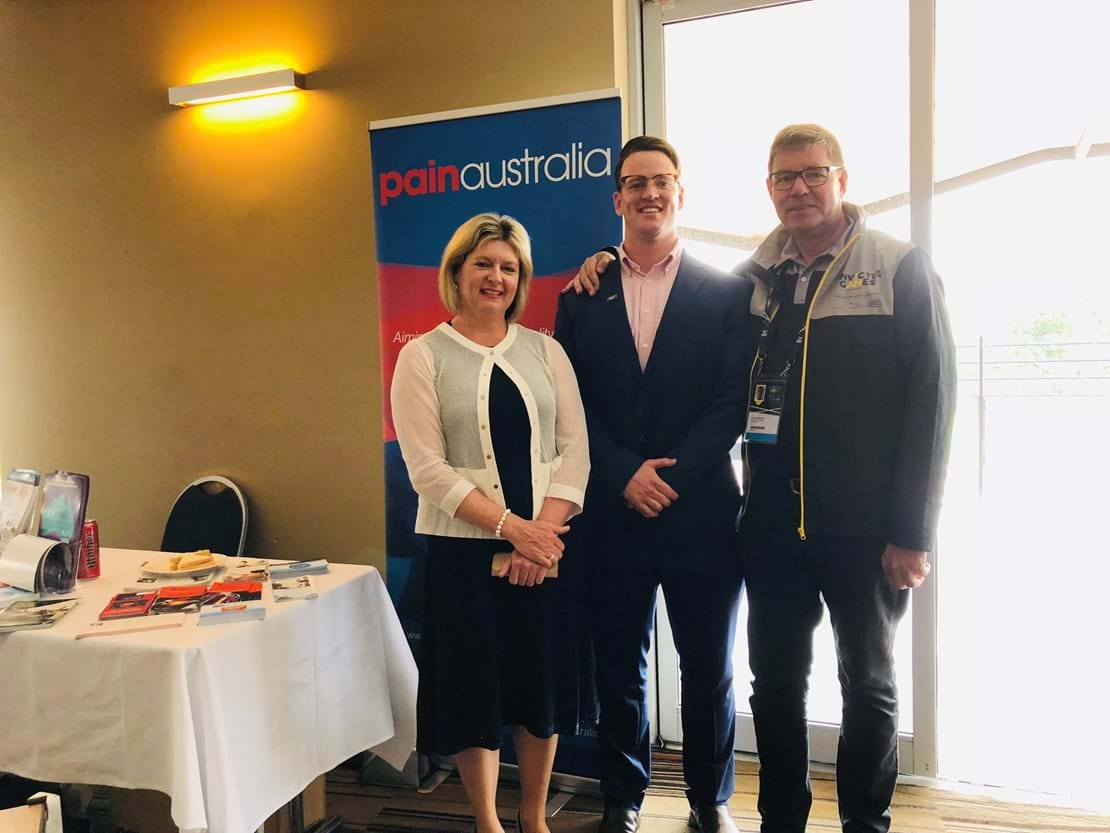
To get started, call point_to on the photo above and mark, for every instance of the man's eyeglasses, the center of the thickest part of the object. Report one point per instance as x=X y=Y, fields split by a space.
x=664 y=183
x=812 y=177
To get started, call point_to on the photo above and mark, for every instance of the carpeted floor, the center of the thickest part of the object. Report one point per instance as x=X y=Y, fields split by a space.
x=916 y=809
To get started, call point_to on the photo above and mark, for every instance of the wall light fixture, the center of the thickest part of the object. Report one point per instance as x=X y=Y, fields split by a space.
x=244 y=86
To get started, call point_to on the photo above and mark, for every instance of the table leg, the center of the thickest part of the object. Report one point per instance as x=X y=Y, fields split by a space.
x=296 y=813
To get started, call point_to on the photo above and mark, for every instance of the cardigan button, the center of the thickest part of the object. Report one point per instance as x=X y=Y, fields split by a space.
x=495 y=485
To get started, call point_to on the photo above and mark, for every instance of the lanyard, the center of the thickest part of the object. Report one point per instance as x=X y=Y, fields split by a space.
x=768 y=323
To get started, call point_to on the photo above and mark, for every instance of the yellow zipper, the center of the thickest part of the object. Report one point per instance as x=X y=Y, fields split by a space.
x=802 y=395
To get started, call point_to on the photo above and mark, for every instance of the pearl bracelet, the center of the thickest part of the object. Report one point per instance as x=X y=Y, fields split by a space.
x=501 y=523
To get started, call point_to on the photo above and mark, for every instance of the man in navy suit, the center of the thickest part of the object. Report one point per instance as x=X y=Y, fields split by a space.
x=658 y=351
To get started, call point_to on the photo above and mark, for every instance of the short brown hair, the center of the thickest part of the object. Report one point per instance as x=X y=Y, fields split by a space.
x=468 y=237
x=646 y=143
x=802 y=136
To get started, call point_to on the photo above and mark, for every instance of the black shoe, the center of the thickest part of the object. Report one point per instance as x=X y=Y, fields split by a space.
x=712 y=818
x=619 y=818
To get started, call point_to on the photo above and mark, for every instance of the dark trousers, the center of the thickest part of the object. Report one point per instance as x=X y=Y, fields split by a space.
x=702 y=607
x=787 y=578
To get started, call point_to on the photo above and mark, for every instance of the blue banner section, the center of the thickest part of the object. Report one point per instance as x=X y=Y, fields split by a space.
x=550 y=167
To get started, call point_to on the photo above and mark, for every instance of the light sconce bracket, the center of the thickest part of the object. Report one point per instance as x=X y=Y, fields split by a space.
x=245 y=86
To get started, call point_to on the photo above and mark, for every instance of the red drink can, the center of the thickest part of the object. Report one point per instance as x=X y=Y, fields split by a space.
x=88 y=565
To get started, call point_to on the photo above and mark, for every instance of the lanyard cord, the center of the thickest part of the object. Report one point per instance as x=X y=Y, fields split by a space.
x=769 y=317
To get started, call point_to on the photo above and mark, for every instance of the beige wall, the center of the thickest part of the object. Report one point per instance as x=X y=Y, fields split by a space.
x=179 y=300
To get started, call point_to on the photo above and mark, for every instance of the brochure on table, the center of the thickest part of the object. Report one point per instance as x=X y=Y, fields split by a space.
x=132 y=625
x=34 y=614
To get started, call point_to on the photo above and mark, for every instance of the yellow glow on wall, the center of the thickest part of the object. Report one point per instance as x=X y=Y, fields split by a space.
x=245 y=65
x=249 y=114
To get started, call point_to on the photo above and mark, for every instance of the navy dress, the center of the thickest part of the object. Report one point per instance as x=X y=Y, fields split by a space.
x=494 y=654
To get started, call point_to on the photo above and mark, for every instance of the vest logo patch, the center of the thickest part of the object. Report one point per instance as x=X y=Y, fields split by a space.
x=860 y=279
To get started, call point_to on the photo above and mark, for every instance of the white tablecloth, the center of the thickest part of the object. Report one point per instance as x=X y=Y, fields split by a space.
x=231 y=720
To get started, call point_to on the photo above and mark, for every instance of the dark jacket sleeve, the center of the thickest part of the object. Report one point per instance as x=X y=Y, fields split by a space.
x=611 y=465
x=717 y=428
x=927 y=366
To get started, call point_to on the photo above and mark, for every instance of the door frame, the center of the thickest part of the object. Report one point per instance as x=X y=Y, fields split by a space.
x=647 y=108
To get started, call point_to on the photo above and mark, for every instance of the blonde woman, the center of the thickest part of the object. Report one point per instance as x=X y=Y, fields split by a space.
x=493 y=433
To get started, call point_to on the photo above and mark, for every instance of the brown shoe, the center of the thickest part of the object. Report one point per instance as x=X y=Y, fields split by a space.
x=712 y=818
x=619 y=818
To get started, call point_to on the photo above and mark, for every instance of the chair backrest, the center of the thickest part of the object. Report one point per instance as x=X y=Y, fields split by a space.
x=210 y=513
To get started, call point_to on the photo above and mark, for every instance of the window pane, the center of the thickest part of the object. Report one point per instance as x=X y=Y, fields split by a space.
x=1024 y=572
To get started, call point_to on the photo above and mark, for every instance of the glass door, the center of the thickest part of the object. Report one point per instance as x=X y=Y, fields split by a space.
x=1000 y=672
x=720 y=80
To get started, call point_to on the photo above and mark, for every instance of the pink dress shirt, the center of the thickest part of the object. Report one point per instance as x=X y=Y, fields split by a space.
x=645 y=296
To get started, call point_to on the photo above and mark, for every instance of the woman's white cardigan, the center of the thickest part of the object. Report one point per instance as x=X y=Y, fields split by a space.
x=440 y=399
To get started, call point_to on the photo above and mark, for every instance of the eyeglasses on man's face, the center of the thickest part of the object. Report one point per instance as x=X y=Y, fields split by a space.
x=664 y=183
x=812 y=177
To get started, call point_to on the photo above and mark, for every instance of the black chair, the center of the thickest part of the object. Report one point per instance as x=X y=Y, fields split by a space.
x=210 y=513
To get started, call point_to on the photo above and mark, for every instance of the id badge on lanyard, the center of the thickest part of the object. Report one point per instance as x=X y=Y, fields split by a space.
x=768 y=396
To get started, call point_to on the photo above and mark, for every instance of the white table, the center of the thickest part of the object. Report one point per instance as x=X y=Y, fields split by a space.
x=231 y=721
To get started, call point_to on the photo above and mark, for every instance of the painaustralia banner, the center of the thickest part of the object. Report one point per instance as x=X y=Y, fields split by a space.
x=549 y=163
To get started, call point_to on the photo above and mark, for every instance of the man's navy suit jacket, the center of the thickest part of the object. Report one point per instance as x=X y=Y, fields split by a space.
x=689 y=403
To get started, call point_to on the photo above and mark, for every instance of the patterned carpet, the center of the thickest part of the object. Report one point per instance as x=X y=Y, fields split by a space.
x=916 y=809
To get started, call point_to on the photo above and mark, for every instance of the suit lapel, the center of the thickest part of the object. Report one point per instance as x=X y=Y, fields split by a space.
x=678 y=314
x=611 y=294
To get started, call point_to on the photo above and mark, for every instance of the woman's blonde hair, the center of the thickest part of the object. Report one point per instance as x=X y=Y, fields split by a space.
x=468 y=237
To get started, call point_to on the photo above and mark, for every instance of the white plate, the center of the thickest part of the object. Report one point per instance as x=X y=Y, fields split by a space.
x=161 y=567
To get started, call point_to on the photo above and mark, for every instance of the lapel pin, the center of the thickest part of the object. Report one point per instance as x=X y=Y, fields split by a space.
x=611 y=298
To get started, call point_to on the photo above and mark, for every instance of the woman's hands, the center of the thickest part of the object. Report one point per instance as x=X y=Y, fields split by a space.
x=536 y=541
x=519 y=570
x=536 y=544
